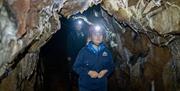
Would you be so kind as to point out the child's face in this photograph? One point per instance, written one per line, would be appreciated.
(97, 39)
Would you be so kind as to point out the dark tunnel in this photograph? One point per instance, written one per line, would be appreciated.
(54, 53)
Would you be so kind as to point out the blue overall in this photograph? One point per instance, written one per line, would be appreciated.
(88, 59)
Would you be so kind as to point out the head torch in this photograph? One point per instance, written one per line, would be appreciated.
(97, 30)
(79, 22)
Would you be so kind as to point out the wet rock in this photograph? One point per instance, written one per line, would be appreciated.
(24, 28)
(22, 77)
(20, 8)
(167, 21)
(72, 7)
(141, 61)
(9, 44)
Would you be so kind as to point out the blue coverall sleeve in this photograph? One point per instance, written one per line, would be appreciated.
(110, 65)
(79, 67)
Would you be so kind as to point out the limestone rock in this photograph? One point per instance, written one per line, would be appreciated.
(23, 24)
(167, 21)
(72, 7)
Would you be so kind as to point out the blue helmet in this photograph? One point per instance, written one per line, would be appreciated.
(96, 30)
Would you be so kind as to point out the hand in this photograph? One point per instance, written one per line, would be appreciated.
(93, 74)
(102, 73)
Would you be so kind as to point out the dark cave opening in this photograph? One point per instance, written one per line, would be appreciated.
(54, 54)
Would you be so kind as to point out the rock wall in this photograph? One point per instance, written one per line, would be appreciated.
(25, 26)
(143, 35)
(147, 53)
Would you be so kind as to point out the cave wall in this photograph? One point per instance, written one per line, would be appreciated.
(144, 38)
(147, 52)
(25, 26)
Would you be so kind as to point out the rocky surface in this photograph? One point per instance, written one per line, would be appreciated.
(25, 26)
(143, 35)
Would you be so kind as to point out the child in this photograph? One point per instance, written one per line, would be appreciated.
(94, 63)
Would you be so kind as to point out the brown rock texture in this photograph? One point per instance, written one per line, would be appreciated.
(21, 8)
(25, 26)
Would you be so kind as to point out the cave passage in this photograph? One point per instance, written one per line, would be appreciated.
(54, 54)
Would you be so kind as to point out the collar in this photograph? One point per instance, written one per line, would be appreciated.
(100, 47)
